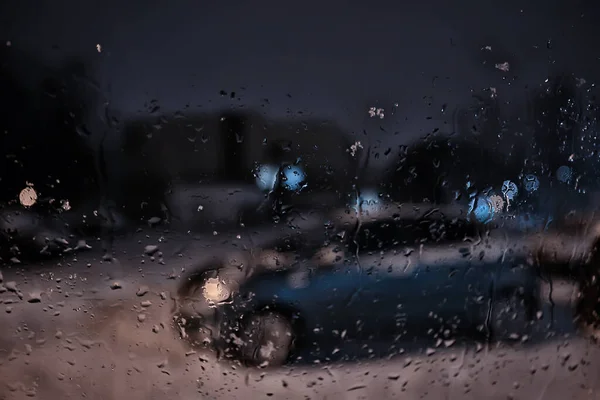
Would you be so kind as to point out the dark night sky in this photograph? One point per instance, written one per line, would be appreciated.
(334, 58)
(328, 59)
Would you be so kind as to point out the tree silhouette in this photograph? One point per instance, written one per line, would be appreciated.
(490, 146)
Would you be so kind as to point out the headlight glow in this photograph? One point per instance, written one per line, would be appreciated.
(215, 291)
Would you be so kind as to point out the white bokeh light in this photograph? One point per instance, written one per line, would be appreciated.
(266, 175)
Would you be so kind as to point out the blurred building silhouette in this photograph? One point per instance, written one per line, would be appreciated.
(42, 113)
(189, 156)
(555, 127)
(59, 133)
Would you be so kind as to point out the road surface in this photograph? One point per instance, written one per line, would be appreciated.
(88, 328)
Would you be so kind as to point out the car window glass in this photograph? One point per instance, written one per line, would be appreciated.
(233, 200)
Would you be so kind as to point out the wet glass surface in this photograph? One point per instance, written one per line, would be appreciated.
(326, 201)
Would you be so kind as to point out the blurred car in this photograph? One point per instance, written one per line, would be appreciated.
(27, 235)
(386, 281)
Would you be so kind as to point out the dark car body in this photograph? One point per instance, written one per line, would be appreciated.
(386, 284)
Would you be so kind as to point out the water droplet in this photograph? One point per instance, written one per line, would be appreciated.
(531, 183)
(369, 201)
(28, 197)
(34, 297)
(481, 209)
(266, 175)
(509, 190)
(497, 203)
(150, 249)
(564, 174)
(153, 221)
(142, 290)
(293, 177)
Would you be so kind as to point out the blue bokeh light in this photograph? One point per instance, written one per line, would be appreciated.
(369, 201)
(509, 190)
(481, 209)
(266, 175)
(531, 183)
(564, 174)
(293, 177)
